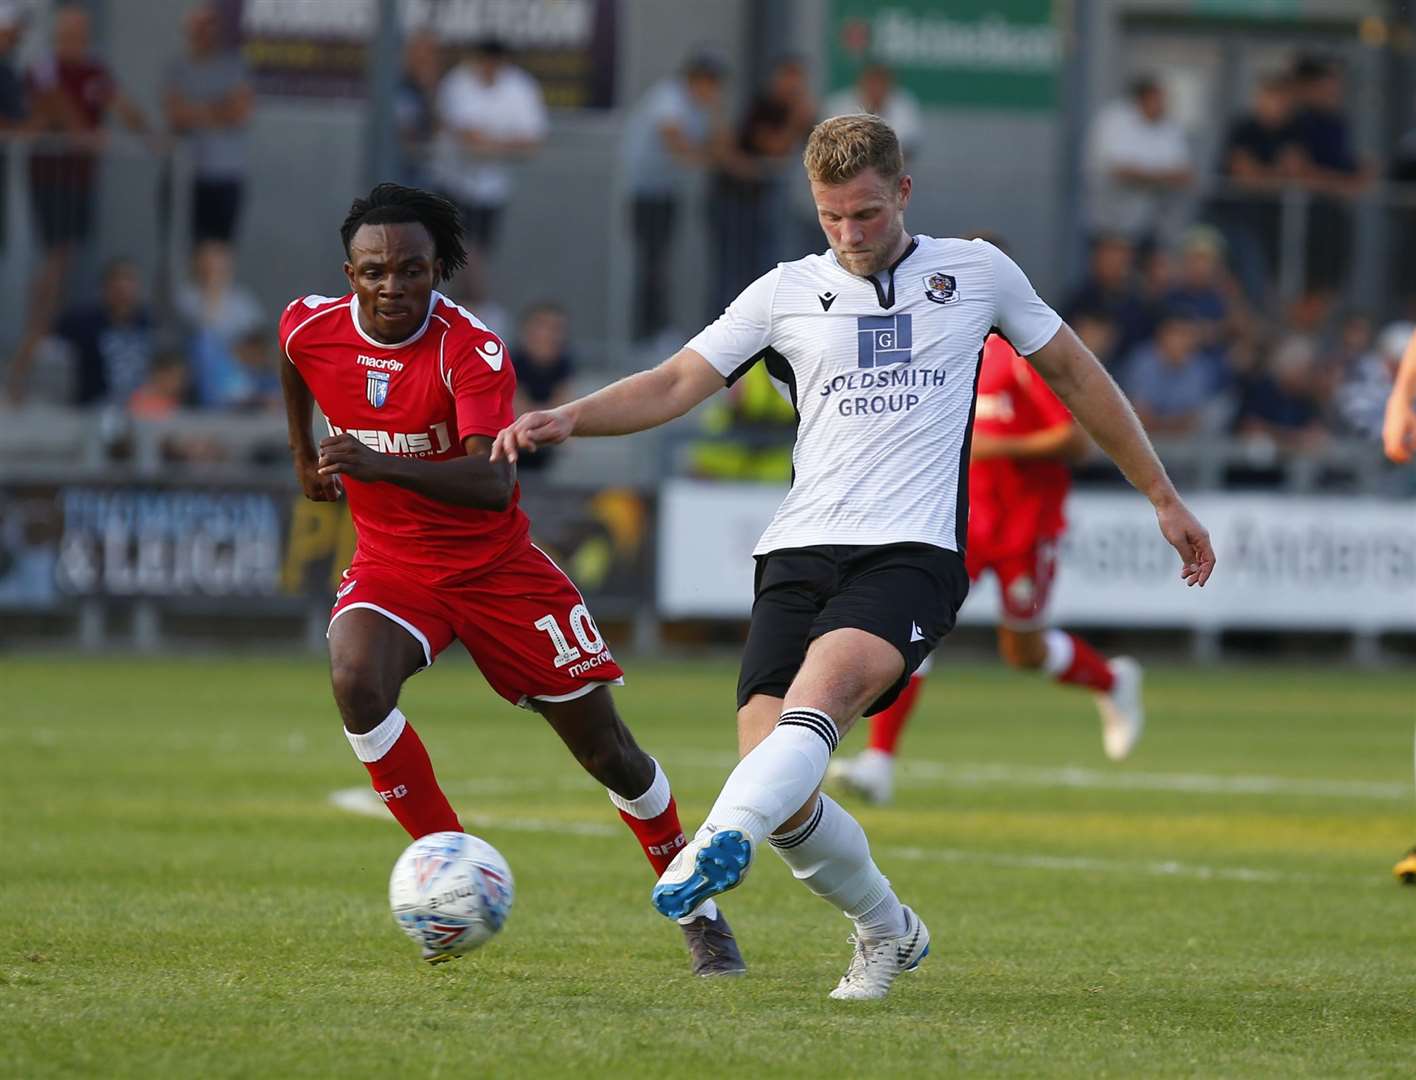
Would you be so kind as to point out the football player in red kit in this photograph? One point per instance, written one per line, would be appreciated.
(414, 388)
(1018, 478)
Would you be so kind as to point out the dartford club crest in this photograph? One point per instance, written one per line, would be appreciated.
(940, 287)
(378, 388)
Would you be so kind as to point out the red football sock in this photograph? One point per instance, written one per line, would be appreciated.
(660, 837)
(653, 818)
(887, 726)
(1088, 668)
(403, 777)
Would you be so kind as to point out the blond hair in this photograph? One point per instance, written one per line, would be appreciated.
(843, 147)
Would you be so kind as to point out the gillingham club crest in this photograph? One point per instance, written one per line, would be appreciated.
(378, 388)
(940, 287)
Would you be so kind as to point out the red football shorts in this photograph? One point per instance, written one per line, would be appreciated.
(1024, 581)
(523, 621)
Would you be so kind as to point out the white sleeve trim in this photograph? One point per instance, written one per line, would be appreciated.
(1026, 321)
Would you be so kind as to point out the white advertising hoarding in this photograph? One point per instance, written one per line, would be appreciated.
(1284, 561)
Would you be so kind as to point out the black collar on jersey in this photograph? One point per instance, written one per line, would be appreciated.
(886, 294)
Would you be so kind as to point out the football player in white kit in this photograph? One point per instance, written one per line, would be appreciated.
(877, 343)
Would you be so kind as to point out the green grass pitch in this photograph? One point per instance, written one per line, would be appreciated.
(180, 898)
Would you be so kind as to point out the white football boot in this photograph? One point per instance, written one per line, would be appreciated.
(870, 775)
(876, 966)
(1123, 714)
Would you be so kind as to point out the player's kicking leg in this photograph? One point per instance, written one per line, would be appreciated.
(772, 796)
(592, 730)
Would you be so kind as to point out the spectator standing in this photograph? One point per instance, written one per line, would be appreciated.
(746, 191)
(492, 113)
(415, 108)
(1262, 154)
(71, 93)
(14, 109)
(1174, 384)
(207, 97)
(1331, 170)
(1139, 166)
(875, 91)
(112, 340)
(544, 368)
(216, 313)
(671, 133)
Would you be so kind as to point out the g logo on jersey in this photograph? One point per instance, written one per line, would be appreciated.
(882, 340)
(941, 287)
(377, 388)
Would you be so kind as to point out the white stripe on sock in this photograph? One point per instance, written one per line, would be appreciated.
(1060, 652)
(373, 745)
(652, 803)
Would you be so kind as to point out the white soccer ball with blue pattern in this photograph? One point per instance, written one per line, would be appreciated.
(450, 892)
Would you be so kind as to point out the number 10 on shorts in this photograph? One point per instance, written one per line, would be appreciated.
(584, 629)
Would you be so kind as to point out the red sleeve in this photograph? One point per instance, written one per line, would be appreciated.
(297, 313)
(479, 374)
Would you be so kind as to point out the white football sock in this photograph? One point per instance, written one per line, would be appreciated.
(1060, 651)
(652, 803)
(706, 910)
(776, 778)
(831, 856)
(373, 745)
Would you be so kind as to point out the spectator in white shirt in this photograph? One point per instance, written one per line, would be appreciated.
(1138, 166)
(671, 133)
(491, 113)
(875, 92)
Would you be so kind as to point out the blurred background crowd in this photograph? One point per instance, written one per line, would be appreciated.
(1212, 255)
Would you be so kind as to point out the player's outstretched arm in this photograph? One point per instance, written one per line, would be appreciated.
(299, 415)
(1096, 401)
(637, 402)
(1399, 428)
(473, 480)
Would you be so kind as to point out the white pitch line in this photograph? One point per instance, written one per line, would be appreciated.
(986, 775)
(915, 773)
(1086, 864)
(364, 802)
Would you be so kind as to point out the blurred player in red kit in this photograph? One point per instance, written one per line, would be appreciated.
(414, 388)
(1023, 438)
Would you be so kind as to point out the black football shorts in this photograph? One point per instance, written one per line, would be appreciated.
(908, 594)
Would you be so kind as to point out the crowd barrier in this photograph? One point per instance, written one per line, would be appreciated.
(1285, 562)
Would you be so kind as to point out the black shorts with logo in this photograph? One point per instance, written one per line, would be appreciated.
(908, 594)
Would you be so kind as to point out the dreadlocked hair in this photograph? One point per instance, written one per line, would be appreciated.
(394, 204)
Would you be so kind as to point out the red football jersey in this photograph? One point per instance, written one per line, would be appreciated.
(420, 398)
(1014, 503)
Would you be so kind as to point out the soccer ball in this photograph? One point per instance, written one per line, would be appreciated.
(450, 893)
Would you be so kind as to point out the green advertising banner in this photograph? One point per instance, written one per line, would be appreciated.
(957, 53)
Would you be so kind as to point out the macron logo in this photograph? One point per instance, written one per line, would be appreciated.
(915, 633)
(492, 353)
(380, 363)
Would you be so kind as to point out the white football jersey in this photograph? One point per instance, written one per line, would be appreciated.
(883, 372)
